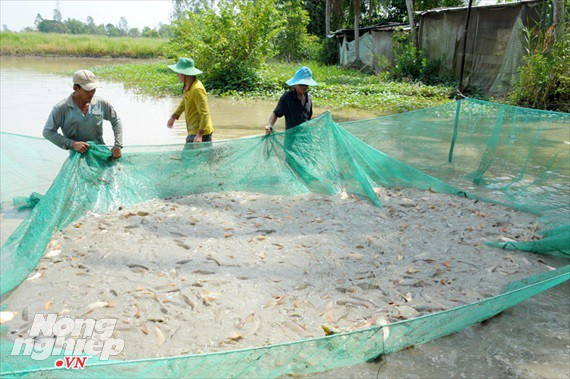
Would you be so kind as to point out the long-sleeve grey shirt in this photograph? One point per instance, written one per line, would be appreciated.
(76, 126)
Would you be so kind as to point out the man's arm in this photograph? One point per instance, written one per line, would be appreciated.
(110, 115)
(279, 111)
(53, 123)
(272, 120)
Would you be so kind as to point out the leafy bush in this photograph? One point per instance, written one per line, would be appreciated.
(312, 49)
(292, 42)
(229, 44)
(407, 62)
(434, 73)
(328, 52)
(545, 73)
(410, 64)
(339, 88)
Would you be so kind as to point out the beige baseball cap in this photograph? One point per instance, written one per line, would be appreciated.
(86, 80)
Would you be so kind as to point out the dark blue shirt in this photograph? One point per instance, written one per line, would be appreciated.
(295, 113)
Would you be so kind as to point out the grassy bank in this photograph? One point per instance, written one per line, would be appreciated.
(45, 44)
(339, 88)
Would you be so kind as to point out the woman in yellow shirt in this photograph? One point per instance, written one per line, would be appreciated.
(194, 103)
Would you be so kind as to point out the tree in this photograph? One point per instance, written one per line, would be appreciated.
(123, 26)
(5, 28)
(180, 7)
(134, 32)
(557, 17)
(39, 19)
(291, 41)
(357, 60)
(164, 30)
(57, 15)
(112, 30)
(231, 41)
(317, 14)
(328, 18)
(410, 7)
(52, 26)
(149, 33)
(75, 26)
(91, 27)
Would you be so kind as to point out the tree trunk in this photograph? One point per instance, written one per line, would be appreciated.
(327, 18)
(410, 7)
(557, 17)
(357, 61)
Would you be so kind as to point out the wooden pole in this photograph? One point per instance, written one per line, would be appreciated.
(461, 70)
(327, 18)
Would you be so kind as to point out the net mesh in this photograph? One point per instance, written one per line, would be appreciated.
(512, 156)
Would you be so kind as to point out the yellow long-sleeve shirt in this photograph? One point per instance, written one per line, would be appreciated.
(195, 105)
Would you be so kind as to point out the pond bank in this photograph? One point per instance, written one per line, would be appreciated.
(338, 88)
(62, 45)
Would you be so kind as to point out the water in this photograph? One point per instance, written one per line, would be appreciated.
(530, 340)
(30, 88)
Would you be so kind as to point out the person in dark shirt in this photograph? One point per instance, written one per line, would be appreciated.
(296, 104)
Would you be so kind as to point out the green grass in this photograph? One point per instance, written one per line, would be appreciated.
(47, 44)
(339, 88)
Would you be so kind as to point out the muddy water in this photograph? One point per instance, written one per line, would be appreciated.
(529, 340)
(30, 89)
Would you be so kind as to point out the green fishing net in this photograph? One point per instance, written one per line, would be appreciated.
(490, 152)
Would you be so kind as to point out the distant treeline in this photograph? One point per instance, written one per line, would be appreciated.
(73, 26)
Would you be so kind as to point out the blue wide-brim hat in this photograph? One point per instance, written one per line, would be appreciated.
(303, 75)
(185, 66)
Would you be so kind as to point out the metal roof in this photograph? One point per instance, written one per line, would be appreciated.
(387, 26)
(491, 6)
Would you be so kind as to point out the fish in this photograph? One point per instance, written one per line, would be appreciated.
(160, 338)
(25, 314)
(188, 301)
(329, 331)
(183, 245)
(52, 253)
(98, 304)
(208, 297)
(352, 303)
(35, 276)
(203, 272)
(236, 337)
(209, 258)
(6, 316)
(136, 265)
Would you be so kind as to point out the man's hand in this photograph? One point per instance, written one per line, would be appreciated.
(198, 138)
(80, 147)
(268, 129)
(116, 151)
(170, 122)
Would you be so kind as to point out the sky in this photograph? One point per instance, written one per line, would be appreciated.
(17, 14)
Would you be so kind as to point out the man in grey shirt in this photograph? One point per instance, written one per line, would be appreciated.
(81, 116)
